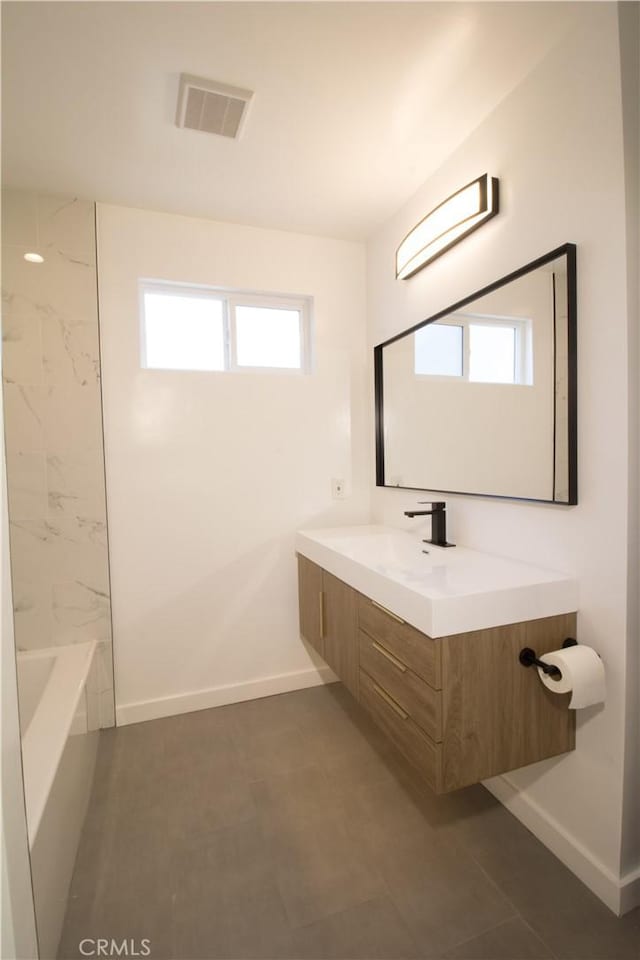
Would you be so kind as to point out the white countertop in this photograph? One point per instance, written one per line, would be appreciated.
(442, 592)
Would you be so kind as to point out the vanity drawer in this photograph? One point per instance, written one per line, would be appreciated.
(417, 698)
(418, 748)
(417, 651)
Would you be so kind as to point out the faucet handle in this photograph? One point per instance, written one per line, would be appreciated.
(435, 504)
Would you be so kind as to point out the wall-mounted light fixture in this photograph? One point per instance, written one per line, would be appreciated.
(448, 223)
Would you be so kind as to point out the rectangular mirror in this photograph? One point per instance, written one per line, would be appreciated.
(481, 398)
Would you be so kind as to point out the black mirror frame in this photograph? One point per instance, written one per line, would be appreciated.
(568, 250)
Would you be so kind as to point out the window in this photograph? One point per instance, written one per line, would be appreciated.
(193, 328)
(492, 353)
(183, 332)
(439, 350)
(268, 337)
(482, 350)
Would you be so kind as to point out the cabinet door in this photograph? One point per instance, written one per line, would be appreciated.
(310, 601)
(340, 634)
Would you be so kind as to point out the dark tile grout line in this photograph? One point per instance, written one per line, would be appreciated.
(517, 913)
(479, 933)
(502, 923)
(542, 940)
(422, 788)
(389, 894)
(387, 891)
(505, 894)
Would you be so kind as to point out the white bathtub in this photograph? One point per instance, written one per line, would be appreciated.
(59, 744)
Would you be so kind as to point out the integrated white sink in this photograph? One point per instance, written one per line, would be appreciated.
(442, 592)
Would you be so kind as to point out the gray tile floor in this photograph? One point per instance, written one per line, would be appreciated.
(287, 828)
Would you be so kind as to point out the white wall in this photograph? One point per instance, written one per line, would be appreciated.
(210, 474)
(556, 145)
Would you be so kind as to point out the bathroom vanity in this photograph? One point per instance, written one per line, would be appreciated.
(428, 640)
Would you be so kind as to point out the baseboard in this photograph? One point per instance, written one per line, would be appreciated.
(619, 894)
(218, 696)
(630, 891)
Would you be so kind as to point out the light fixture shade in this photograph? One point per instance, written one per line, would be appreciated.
(463, 212)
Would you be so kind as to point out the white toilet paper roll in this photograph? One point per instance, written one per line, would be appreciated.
(582, 675)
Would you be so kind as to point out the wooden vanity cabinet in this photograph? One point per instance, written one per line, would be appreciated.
(328, 615)
(340, 635)
(460, 708)
(310, 603)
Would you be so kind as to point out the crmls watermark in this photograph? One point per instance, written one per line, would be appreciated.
(114, 948)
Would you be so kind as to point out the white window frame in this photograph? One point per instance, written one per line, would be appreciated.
(272, 302)
(231, 299)
(523, 358)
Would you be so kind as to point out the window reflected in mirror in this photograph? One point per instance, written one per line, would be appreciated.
(480, 399)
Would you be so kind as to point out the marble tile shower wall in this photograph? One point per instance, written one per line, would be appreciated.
(53, 429)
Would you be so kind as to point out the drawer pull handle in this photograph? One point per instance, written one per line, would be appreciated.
(389, 613)
(321, 605)
(390, 657)
(390, 701)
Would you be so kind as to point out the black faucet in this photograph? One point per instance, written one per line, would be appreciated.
(438, 522)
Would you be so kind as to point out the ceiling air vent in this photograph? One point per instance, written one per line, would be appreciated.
(211, 106)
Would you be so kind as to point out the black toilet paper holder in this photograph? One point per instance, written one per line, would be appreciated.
(528, 658)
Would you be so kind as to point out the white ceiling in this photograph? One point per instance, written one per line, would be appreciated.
(355, 103)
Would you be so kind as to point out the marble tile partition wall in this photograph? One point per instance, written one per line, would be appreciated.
(53, 423)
